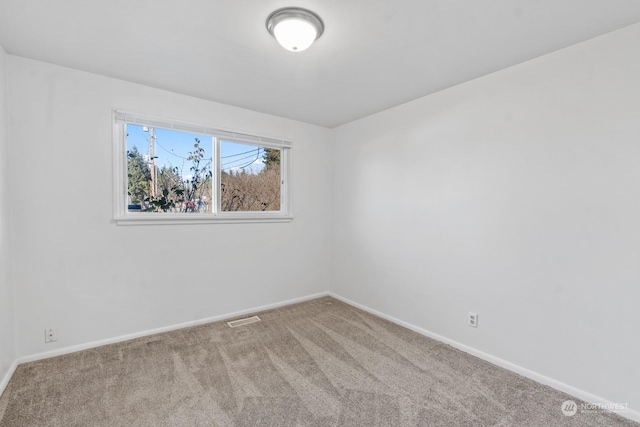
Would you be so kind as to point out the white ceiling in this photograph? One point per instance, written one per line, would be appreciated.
(373, 55)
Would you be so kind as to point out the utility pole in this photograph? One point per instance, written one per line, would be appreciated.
(152, 162)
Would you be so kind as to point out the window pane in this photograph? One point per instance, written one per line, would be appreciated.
(249, 177)
(168, 171)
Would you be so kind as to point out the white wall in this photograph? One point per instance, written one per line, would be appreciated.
(93, 280)
(516, 196)
(7, 335)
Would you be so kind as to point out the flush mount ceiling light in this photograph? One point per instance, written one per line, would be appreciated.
(295, 28)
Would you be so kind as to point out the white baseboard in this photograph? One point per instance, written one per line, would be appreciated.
(93, 344)
(558, 385)
(5, 380)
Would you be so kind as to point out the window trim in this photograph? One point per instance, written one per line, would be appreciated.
(121, 216)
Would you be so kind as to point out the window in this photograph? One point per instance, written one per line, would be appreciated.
(172, 172)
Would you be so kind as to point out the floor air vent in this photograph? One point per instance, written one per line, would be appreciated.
(242, 322)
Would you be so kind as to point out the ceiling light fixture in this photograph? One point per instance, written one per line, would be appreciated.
(295, 28)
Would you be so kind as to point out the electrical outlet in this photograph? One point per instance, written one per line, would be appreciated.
(50, 335)
(473, 320)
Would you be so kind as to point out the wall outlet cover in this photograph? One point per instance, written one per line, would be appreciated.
(473, 320)
(50, 335)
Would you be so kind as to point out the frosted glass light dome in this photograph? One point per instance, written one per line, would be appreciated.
(295, 28)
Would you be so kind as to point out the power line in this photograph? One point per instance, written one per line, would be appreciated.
(248, 164)
(241, 167)
(240, 154)
(174, 154)
(257, 151)
(243, 158)
(170, 152)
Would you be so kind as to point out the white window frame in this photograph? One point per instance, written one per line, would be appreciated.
(122, 216)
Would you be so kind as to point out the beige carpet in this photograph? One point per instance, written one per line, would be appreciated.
(318, 363)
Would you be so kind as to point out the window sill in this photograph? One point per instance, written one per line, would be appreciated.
(183, 219)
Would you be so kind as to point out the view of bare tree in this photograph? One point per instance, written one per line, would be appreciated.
(242, 191)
